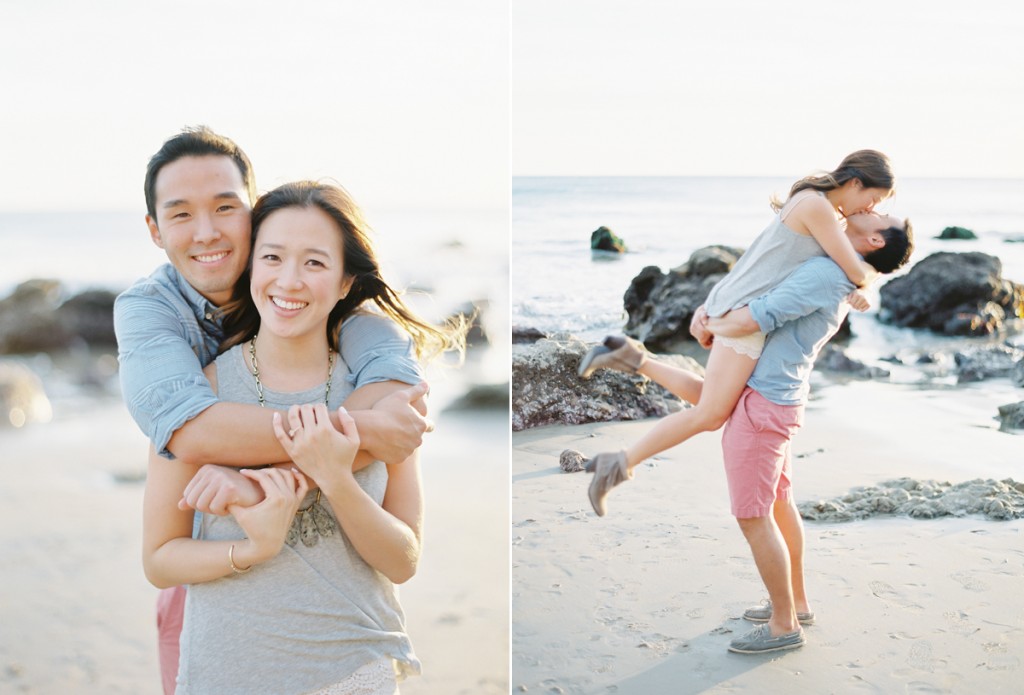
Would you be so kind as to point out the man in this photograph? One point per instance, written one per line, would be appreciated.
(799, 316)
(199, 191)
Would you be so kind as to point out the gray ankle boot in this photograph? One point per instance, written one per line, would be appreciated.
(609, 469)
(616, 352)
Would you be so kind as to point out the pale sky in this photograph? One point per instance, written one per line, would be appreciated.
(403, 102)
(779, 87)
(412, 104)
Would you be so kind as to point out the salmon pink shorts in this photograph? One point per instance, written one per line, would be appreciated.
(756, 450)
(170, 612)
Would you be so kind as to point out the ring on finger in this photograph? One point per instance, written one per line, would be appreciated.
(291, 432)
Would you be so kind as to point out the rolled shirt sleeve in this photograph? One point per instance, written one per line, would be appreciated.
(161, 352)
(376, 349)
(812, 286)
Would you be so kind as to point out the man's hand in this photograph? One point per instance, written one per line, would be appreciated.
(858, 300)
(699, 328)
(214, 488)
(404, 423)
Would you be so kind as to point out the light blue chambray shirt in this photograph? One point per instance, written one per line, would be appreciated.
(799, 316)
(167, 332)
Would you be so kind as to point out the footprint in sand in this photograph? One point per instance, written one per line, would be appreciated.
(969, 582)
(920, 657)
(888, 594)
(960, 623)
(998, 657)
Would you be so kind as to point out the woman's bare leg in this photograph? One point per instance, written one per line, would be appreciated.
(725, 377)
(678, 381)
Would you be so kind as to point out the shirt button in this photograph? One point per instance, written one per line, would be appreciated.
(209, 316)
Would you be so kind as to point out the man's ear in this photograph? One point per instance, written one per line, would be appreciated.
(154, 232)
(877, 241)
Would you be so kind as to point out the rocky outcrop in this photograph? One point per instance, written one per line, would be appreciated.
(661, 305)
(977, 364)
(604, 239)
(1011, 417)
(953, 294)
(547, 390)
(34, 319)
(957, 233)
(525, 334)
(834, 359)
(28, 319)
(922, 499)
(90, 316)
(482, 397)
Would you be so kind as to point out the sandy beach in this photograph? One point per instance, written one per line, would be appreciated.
(646, 599)
(77, 614)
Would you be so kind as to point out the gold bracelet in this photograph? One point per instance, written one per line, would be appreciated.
(231, 561)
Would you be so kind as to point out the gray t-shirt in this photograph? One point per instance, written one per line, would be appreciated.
(305, 619)
(773, 255)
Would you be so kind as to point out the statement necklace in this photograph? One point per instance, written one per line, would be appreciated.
(318, 522)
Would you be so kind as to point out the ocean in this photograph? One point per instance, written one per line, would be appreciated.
(445, 260)
(559, 285)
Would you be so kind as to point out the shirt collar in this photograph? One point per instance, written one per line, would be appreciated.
(203, 308)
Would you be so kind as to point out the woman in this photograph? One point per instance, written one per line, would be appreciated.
(295, 594)
(807, 224)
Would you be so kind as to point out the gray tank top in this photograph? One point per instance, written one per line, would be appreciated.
(773, 255)
(305, 619)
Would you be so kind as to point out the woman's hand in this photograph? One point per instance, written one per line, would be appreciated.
(317, 448)
(266, 524)
(858, 300)
(699, 328)
(214, 488)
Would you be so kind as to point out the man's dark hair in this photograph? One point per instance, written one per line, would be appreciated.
(197, 142)
(899, 244)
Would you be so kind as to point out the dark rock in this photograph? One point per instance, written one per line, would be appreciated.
(957, 233)
(834, 359)
(1011, 416)
(572, 461)
(28, 319)
(604, 239)
(547, 390)
(526, 334)
(1017, 374)
(90, 316)
(33, 319)
(22, 398)
(482, 397)
(977, 364)
(844, 333)
(661, 305)
(953, 294)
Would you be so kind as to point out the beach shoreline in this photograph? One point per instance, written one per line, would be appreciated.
(647, 598)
